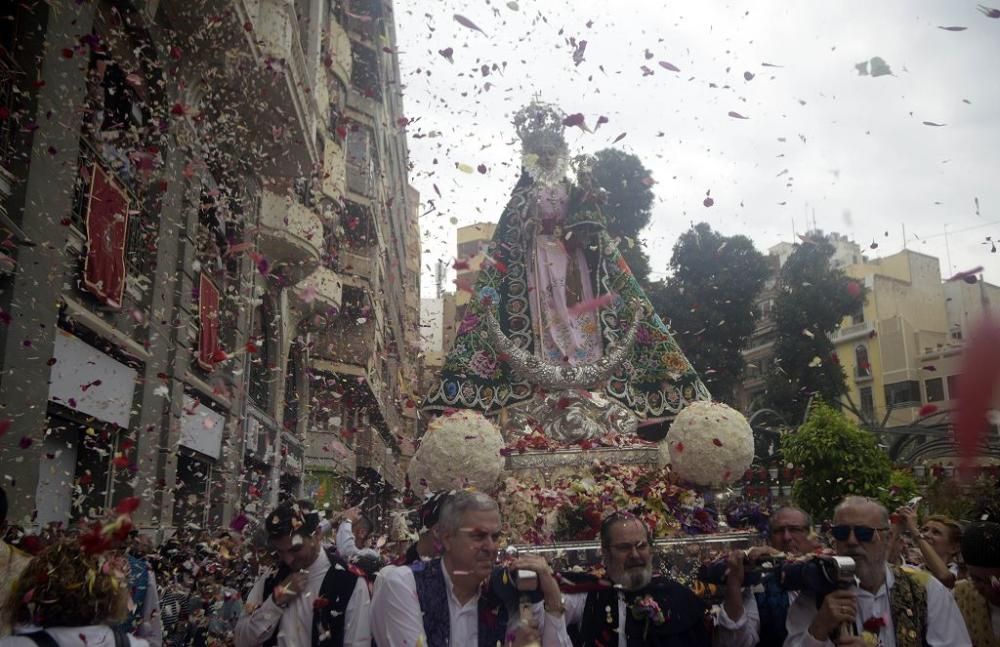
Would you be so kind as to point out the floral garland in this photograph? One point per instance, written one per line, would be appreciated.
(573, 508)
(538, 441)
(872, 628)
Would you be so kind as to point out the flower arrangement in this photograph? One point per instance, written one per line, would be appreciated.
(574, 506)
(710, 444)
(538, 441)
(872, 628)
(459, 450)
(646, 608)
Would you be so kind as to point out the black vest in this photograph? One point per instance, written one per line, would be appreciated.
(494, 605)
(329, 610)
(684, 615)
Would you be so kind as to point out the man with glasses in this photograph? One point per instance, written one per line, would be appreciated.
(889, 606)
(452, 600)
(634, 607)
(788, 532)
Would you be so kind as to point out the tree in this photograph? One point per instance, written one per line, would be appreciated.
(813, 299)
(710, 300)
(837, 459)
(628, 206)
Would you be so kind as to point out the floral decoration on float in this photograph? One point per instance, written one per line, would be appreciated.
(572, 508)
(459, 450)
(709, 444)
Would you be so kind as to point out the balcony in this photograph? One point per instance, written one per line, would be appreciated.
(261, 79)
(291, 235)
(319, 293)
(348, 342)
(356, 263)
(851, 333)
(339, 44)
(334, 181)
(325, 451)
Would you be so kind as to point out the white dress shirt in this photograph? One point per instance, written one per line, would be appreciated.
(945, 626)
(93, 636)
(295, 628)
(397, 620)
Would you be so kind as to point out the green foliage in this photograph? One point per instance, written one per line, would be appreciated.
(813, 299)
(628, 205)
(837, 458)
(709, 300)
(902, 489)
(948, 496)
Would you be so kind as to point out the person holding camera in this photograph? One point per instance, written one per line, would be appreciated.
(889, 605)
(459, 598)
(313, 598)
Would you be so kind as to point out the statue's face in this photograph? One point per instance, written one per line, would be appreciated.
(548, 159)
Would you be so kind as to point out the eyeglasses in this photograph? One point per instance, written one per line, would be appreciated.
(794, 530)
(864, 534)
(628, 547)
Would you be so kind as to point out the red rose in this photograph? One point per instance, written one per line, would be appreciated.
(874, 624)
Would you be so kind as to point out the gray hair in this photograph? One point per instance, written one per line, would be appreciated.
(850, 501)
(791, 508)
(460, 502)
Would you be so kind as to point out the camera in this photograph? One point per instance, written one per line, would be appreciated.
(816, 574)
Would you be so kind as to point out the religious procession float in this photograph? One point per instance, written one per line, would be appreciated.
(562, 381)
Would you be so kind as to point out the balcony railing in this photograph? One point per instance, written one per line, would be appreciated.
(849, 333)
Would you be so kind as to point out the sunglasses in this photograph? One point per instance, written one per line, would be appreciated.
(864, 534)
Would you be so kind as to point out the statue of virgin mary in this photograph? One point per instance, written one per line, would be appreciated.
(556, 315)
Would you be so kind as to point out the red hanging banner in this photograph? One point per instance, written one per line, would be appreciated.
(106, 222)
(208, 320)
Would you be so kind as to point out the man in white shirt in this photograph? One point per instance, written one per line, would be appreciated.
(452, 600)
(895, 607)
(312, 598)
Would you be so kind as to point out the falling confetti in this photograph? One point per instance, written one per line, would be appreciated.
(669, 66)
(465, 22)
(736, 115)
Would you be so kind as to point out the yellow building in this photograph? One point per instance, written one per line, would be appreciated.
(473, 240)
(888, 348)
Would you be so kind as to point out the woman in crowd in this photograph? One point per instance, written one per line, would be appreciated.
(69, 597)
(939, 540)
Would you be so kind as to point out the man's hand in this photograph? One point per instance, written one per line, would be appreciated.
(351, 514)
(734, 577)
(526, 636)
(757, 552)
(838, 607)
(850, 641)
(546, 580)
(291, 588)
(909, 516)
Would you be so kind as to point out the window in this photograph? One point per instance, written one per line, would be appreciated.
(858, 316)
(360, 161)
(952, 387)
(903, 394)
(862, 367)
(935, 389)
(260, 361)
(867, 402)
(292, 371)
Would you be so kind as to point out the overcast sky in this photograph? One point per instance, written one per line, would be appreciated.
(818, 137)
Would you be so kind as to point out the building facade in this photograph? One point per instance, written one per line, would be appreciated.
(200, 203)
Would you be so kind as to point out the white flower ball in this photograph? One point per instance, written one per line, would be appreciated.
(710, 444)
(458, 450)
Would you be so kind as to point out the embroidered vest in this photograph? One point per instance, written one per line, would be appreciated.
(432, 593)
(683, 615)
(908, 605)
(772, 604)
(329, 611)
(976, 612)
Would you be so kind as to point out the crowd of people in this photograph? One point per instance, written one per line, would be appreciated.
(307, 578)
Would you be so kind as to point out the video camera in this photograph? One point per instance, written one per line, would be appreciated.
(816, 574)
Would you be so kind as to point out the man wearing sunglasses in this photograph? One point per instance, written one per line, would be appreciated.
(894, 607)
